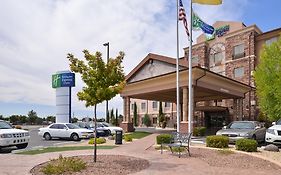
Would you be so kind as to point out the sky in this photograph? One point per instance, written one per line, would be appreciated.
(36, 35)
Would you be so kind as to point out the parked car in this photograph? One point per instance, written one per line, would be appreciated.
(273, 133)
(10, 136)
(101, 132)
(112, 128)
(65, 130)
(243, 129)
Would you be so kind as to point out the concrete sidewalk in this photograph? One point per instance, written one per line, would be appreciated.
(160, 164)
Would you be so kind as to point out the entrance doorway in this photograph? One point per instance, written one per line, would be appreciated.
(215, 120)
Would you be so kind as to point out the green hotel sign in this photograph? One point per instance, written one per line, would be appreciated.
(63, 80)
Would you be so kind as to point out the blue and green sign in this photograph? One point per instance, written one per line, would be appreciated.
(219, 32)
(63, 80)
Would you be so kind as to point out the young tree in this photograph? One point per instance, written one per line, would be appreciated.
(268, 81)
(32, 117)
(102, 81)
(161, 117)
(135, 114)
(112, 117)
(146, 120)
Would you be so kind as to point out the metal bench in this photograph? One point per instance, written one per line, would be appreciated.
(179, 140)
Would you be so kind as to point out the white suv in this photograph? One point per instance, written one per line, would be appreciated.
(12, 137)
(273, 134)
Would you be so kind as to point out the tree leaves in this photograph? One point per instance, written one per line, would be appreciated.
(102, 81)
(268, 80)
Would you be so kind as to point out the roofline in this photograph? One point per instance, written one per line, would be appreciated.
(206, 70)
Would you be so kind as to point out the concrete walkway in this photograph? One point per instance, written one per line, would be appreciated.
(160, 164)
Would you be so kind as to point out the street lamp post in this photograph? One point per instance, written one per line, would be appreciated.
(106, 108)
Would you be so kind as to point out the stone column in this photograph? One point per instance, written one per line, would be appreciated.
(184, 122)
(127, 125)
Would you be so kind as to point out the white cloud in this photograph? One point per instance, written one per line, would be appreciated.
(35, 37)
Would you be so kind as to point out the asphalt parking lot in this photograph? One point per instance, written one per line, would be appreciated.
(37, 142)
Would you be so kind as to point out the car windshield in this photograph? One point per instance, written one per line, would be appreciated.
(72, 126)
(241, 125)
(5, 125)
(106, 124)
(278, 122)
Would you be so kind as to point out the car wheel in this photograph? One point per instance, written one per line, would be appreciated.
(22, 146)
(47, 136)
(75, 137)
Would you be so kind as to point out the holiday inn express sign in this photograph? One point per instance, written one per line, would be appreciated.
(63, 80)
(219, 32)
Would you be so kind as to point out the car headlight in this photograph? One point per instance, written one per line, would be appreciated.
(26, 134)
(244, 134)
(6, 135)
(270, 131)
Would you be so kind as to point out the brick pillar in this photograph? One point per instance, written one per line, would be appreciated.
(127, 125)
(184, 122)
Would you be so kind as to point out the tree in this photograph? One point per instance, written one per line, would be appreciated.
(14, 119)
(112, 117)
(74, 120)
(102, 81)
(51, 119)
(146, 120)
(135, 114)
(161, 117)
(32, 116)
(268, 81)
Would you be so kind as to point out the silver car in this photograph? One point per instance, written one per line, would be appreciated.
(243, 129)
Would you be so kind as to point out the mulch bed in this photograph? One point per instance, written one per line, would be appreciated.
(105, 165)
(235, 160)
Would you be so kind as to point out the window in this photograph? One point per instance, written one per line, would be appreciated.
(61, 126)
(154, 105)
(239, 72)
(216, 59)
(55, 126)
(271, 40)
(238, 51)
(132, 106)
(195, 60)
(167, 104)
(143, 106)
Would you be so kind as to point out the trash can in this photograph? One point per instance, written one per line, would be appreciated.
(118, 137)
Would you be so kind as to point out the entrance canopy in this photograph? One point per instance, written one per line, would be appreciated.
(207, 86)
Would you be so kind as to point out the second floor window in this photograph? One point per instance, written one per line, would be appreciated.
(167, 104)
(238, 51)
(239, 72)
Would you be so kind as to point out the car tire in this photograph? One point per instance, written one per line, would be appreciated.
(47, 136)
(75, 137)
(22, 146)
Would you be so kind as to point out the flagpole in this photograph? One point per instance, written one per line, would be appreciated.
(190, 88)
(177, 67)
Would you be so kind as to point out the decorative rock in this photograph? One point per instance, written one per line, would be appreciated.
(271, 147)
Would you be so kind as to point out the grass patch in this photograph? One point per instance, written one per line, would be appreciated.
(64, 165)
(225, 151)
(139, 134)
(59, 149)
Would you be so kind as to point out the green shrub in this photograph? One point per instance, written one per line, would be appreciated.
(100, 140)
(247, 145)
(217, 141)
(199, 131)
(128, 137)
(146, 120)
(163, 138)
(64, 165)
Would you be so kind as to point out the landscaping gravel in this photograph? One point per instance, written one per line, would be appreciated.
(232, 160)
(105, 165)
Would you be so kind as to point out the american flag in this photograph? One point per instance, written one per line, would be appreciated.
(182, 17)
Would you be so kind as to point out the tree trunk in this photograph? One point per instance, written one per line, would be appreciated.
(95, 144)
